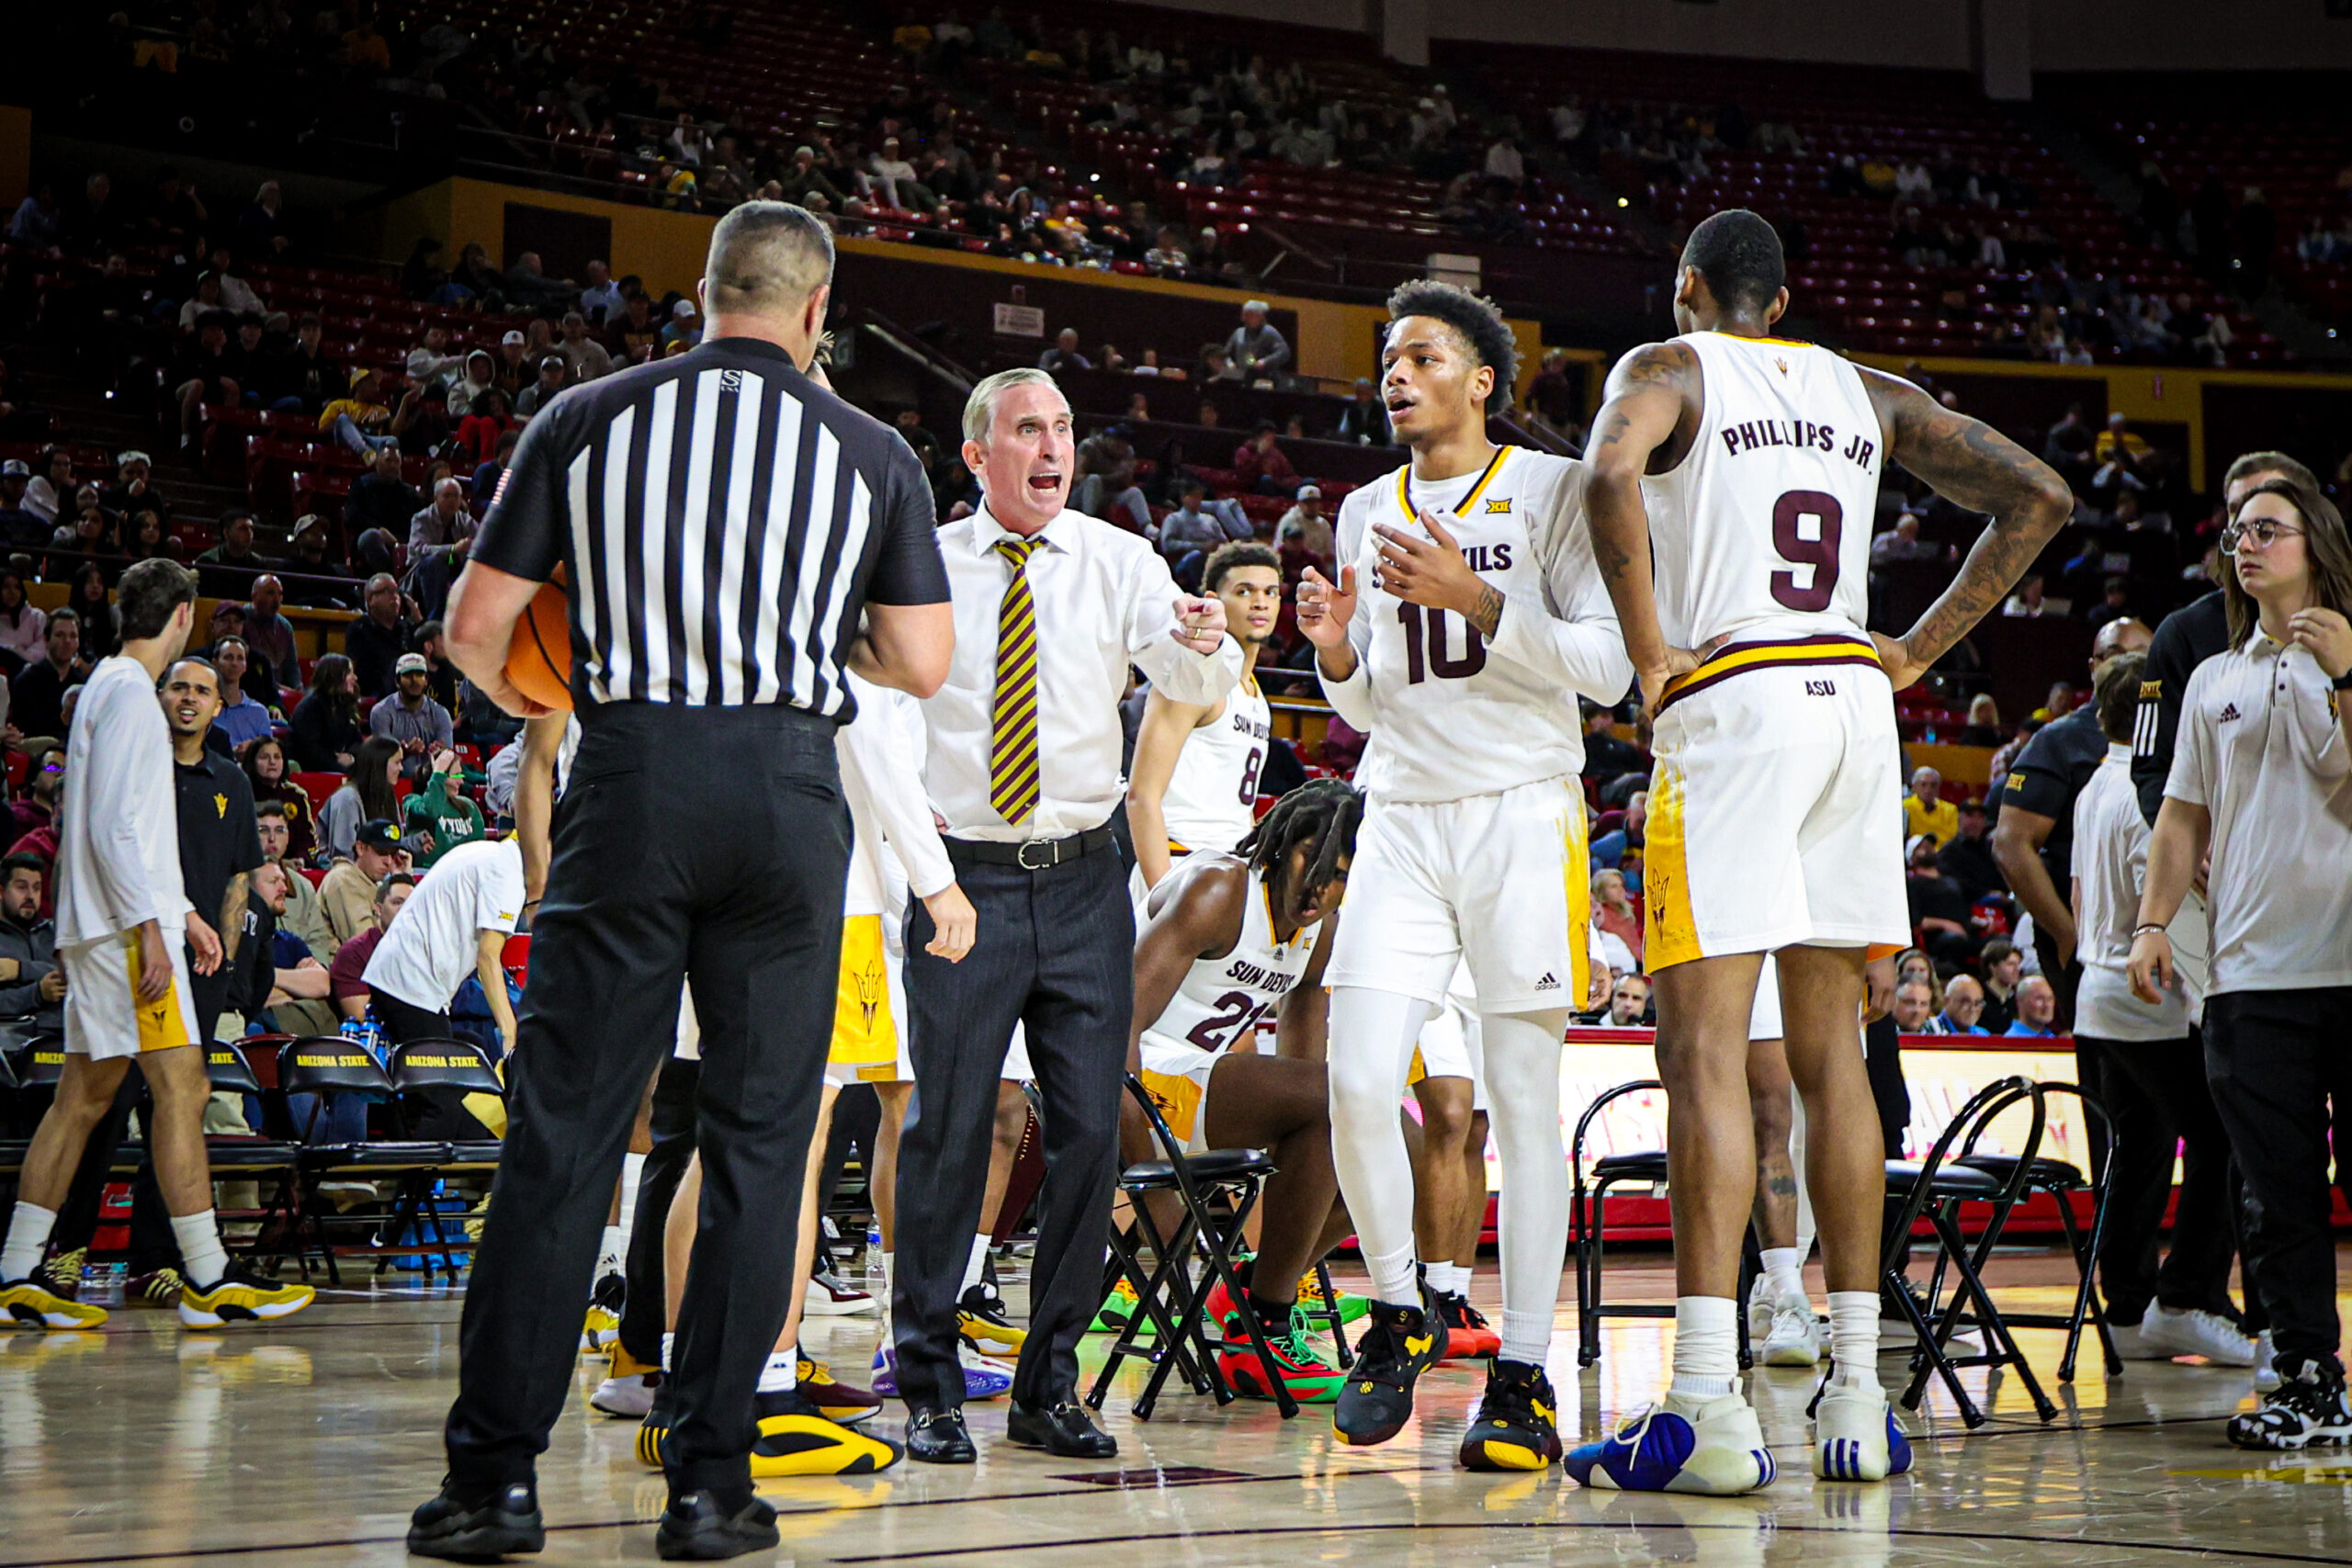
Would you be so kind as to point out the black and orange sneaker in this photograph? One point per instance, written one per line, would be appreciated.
(1467, 1336)
(1401, 1343)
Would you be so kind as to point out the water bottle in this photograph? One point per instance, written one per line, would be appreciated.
(874, 1248)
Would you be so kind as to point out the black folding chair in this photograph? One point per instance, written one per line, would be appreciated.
(1588, 1220)
(2061, 1181)
(1935, 1189)
(450, 1067)
(256, 1156)
(1171, 1293)
(328, 1066)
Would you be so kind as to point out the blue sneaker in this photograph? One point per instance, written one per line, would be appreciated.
(1715, 1450)
(983, 1378)
(1855, 1437)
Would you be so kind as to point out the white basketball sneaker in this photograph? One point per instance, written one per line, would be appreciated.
(1855, 1437)
(1793, 1338)
(1714, 1448)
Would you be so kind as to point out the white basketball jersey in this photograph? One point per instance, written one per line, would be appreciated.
(1763, 530)
(1212, 798)
(1223, 999)
(1448, 721)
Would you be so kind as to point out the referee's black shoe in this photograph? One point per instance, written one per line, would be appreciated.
(1400, 1344)
(704, 1525)
(468, 1524)
(1062, 1429)
(938, 1437)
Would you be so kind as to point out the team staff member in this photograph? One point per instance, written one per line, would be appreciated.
(2263, 781)
(126, 977)
(733, 537)
(1022, 766)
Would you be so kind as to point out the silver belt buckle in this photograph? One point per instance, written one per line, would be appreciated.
(1051, 847)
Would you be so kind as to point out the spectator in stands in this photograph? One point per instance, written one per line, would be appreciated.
(271, 635)
(1937, 911)
(1901, 542)
(1363, 419)
(1168, 257)
(242, 720)
(368, 794)
(554, 374)
(1064, 355)
(1983, 721)
(430, 359)
(1613, 912)
(489, 417)
(1256, 348)
(1914, 1006)
(1964, 1004)
(203, 373)
(1629, 1002)
(228, 624)
(359, 420)
(381, 498)
(1621, 848)
(2037, 1010)
(2114, 602)
(1261, 464)
(24, 627)
(346, 988)
(2032, 599)
(634, 336)
(228, 568)
(510, 368)
(2067, 447)
(600, 297)
(685, 327)
(584, 356)
(325, 730)
(274, 788)
(1968, 858)
(1925, 810)
(38, 222)
(20, 526)
(101, 625)
(261, 227)
(36, 987)
(421, 424)
(439, 817)
(409, 716)
(349, 893)
(1305, 523)
(1191, 530)
(133, 483)
(1606, 757)
(314, 566)
(375, 640)
(37, 696)
(51, 485)
(480, 376)
(37, 809)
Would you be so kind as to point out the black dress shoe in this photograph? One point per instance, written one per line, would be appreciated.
(938, 1436)
(471, 1525)
(1063, 1429)
(704, 1526)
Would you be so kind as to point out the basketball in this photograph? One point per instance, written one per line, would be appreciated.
(538, 660)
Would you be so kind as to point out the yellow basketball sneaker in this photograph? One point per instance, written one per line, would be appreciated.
(27, 1303)
(241, 1296)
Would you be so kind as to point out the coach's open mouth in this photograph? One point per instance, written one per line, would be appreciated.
(1045, 484)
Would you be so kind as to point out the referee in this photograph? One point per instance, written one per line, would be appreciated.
(734, 536)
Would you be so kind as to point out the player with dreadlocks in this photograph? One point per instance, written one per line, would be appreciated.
(1227, 940)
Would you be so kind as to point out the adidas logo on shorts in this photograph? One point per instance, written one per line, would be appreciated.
(1549, 983)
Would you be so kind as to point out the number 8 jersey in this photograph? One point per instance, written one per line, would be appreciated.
(1450, 715)
(1774, 502)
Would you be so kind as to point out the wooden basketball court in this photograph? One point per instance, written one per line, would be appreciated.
(309, 1442)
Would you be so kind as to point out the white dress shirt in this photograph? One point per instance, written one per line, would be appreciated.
(1103, 601)
(2261, 748)
(118, 835)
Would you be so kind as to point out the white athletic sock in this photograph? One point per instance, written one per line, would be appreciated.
(1520, 1055)
(1373, 1035)
(1448, 1278)
(782, 1374)
(1783, 1273)
(632, 1172)
(610, 1254)
(1707, 1347)
(975, 1262)
(29, 1231)
(201, 1257)
(1853, 1336)
(670, 1352)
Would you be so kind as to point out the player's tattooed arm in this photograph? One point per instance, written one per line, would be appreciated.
(1650, 394)
(1970, 463)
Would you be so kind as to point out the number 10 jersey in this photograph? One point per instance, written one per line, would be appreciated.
(1452, 714)
(1762, 532)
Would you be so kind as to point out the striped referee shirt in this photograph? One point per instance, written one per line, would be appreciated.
(723, 521)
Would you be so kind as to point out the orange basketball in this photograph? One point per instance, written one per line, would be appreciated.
(538, 660)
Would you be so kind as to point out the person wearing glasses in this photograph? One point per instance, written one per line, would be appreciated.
(2262, 783)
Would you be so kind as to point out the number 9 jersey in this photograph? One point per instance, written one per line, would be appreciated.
(1449, 714)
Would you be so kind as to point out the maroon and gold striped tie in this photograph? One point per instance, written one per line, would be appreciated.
(1012, 739)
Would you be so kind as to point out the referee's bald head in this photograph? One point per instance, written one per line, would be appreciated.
(767, 259)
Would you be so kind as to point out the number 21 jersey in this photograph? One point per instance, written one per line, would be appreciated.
(1762, 532)
(1449, 715)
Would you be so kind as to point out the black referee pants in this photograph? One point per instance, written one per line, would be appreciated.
(2275, 1059)
(707, 846)
(1055, 952)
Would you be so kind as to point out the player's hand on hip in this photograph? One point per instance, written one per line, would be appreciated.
(1325, 608)
(2328, 636)
(2151, 967)
(1678, 661)
(1431, 571)
(206, 941)
(1200, 622)
(955, 924)
(1903, 672)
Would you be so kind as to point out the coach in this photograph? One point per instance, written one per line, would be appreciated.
(1022, 766)
(734, 536)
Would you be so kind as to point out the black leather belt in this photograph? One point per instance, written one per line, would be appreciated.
(1030, 854)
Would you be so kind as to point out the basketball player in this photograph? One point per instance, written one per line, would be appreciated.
(1754, 463)
(1466, 612)
(1194, 783)
(1229, 938)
